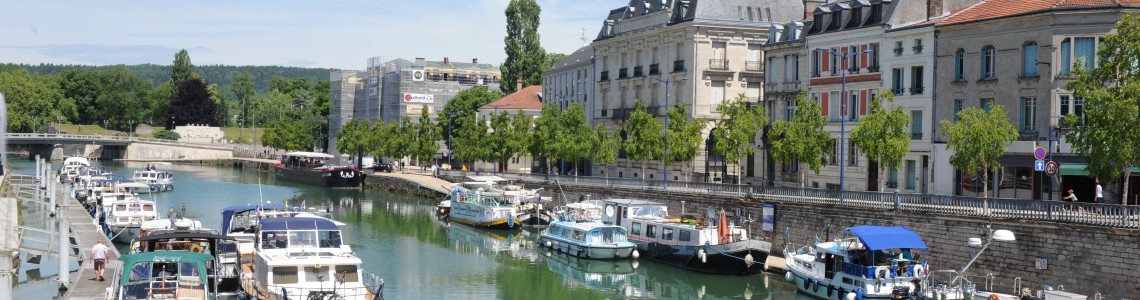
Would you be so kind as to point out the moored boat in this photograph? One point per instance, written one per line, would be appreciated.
(303, 258)
(481, 208)
(71, 168)
(579, 231)
(708, 247)
(125, 217)
(226, 283)
(156, 181)
(164, 275)
(873, 262)
(313, 168)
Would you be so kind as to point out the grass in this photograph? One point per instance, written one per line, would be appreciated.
(229, 133)
(242, 135)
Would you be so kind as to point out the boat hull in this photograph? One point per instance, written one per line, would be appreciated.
(343, 177)
(125, 233)
(534, 218)
(727, 259)
(491, 224)
(591, 251)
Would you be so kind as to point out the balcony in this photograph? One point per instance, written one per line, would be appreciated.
(653, 69)
(623, 73)
(679, 65)
(898, 91)
(752, 99)
(916, 90)
(898, 51)
(873, 68)
(917, 49)
(791, 87)
(604, 76)
(753, 66)
(637, 71)
(718, 64)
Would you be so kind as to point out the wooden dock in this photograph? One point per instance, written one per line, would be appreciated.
(86, 233)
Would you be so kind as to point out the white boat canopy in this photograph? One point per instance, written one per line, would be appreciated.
(309, 154)
(132, 185)
(486, 178)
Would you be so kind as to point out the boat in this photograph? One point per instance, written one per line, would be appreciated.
(303, 258)
(124, 218)
(240, 222)
(81, 188)
(164, 275)
(313, 168)
(709, 247)
(226, 281)
(70, 168)
(579, 232)
(156, 181)
(528, 203)
(873, 262)
(482, 208)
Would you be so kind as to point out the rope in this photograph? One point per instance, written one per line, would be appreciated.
(117, 234)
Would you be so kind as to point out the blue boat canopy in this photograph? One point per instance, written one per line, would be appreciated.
(882, 237)
(301, 223)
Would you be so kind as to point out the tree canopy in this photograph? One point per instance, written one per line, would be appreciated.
(802, 138)
(979, 138)
(192, 104)
(738, 126)
(525, 56)
(644, 140)
(883, 134)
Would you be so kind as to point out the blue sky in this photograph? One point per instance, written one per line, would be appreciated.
(326, 34)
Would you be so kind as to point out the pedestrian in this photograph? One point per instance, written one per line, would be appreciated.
(1071, 198)
(1099, 192)
(99, 255)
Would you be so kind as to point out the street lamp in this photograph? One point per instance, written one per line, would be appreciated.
(842, 111)
(665, 158)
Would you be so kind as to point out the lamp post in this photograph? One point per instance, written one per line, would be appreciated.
(450, 152)
(665, 158)
(842, 111)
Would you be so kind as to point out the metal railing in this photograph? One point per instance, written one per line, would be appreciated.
(95, 138)
(1109, 215)
(718, 64)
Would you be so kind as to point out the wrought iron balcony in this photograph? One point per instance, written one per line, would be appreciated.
(916, 90)
(718, 64)
(916, 135)
(604, 76)
(753, 66)
(637, 71)
(653, 69)
(623, 73)
(679, 65)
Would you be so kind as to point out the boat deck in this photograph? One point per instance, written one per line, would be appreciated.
(86, 234)
(249, 285)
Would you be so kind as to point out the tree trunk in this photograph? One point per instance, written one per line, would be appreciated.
(1127, 173)
(986, 190)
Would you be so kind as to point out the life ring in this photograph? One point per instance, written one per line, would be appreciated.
(918, 271)
(196, 248)
(993, 297)
(882, 273)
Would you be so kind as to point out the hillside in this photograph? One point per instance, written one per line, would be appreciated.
(221, 75)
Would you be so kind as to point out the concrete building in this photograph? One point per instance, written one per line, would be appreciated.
(571, 80)
(1020, 55)
(407, 86)
(698, 53)
(529, 102)
(345, 86)
(785, 55)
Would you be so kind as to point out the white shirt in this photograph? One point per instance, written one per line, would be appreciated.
(99, 252)
(1099, 191)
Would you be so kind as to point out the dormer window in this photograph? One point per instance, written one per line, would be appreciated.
(836, 18)
(856, 17)
(876, 14)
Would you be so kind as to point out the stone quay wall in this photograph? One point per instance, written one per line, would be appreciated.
(1081, 259)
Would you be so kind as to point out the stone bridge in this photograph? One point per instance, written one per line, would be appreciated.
(116, 147)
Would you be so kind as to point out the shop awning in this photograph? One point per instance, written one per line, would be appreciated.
(1074, 169)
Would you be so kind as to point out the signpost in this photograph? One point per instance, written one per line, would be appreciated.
(1039, 165)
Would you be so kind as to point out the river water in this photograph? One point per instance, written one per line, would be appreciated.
(421, 257)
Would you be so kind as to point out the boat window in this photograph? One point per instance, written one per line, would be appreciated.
(283, 275)
(651, 231)
(272, 239)
(685, 236)
(313, 274)
(636, 228)
(302, 238)
(165, 270)
(148, 207)
(347, 274)
(666, 233)
(330, 239)
(594, 236)
(188, 270)
(651, 211)
(120, 207)
(578, 234)
(140, 272)
(619, 235)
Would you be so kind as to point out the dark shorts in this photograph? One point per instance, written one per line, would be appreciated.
(100, 264)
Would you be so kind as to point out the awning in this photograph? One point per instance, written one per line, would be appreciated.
(881, 237)
(1073, 170)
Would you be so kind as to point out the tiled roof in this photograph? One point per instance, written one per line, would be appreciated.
(527, 98)
(994, 9)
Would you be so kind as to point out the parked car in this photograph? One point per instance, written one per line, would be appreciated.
(382, 167)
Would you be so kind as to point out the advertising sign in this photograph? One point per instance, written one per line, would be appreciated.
(417, 75)
(769, 217)
(418, 98)
(415, 109)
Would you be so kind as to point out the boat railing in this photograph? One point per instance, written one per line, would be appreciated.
(334, 288)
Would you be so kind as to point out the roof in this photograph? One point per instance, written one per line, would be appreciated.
(579, 57)
(184, 235)
(309, 154)
(297, 224)
(882, 237)
(527, 98)
(130, 260)
(996, 9)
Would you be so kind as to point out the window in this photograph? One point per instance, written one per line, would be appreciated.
(635, 229)
(893, 177)
(314, 274)
(916, 80)
(771, 74)
(853, 106)
(815, 65)
(685, 236)
(791, 167)
(1084, 52)
(916, 124)
(666, 233)
(1028, 114)
(284, 275)
(651, 231)
(789, 109)
(897, 81)
(957, 108)
(853, 61)
(1076, 106)
(987, 104)
(988, 63)
(834, 64)
(898, 48)
(852, 154)
(874, 56)
(347, 273)
(1066, 59)
(834, 154)
(917, 46)
(960, 65)
(794, 68)
(911, 177)
(1029, 60)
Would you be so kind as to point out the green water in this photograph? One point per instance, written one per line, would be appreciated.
(421, 257)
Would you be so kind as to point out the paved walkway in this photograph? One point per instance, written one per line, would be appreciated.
(423, 178)
(86, 233)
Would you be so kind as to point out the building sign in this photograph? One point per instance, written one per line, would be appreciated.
(417, 75)
(418, 98)
(415, 109)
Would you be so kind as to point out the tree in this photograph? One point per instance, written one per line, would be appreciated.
(735, 132)
(459, 118)
(1106, 136)
(499, 140)
(271, 108)
(644, 140)
(606, 145)
(525, 56)
(426, 137)
(883, 135)
(470, 142)
(82, 87)
(182, 69)
(802, 138)
(521, 128)
(573, 135)
(544, 136)
(122, 98)
(192, 104)
(32, 101)
(243, 90)
(376, 139)
(289, 135)
(978, 139)
(684, 135)
(552, 59)
(354, 136)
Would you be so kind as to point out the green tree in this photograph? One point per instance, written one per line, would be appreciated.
(353, 136)
(551, 60)
(122, 99)
(522, 126)
(182, 68)
(978, 139)
(574, 135)
(498, 142)
(271, 108)
(1106, 136)
(525, 56)
(460, 114)
(544, 136)
(426, 139)
(802, 138)
(243, 90)
(290, 135)
(192, 104)
(376, 139)
(737, 128)
(32, 101)
(83, 88)
(606, 144)
(883, 135)
(402, 139)
(159, 98)
(643, 136)
(470, 142)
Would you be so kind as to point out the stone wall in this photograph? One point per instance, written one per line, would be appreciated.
(199, 134)
(1082, 259)
(145, 151)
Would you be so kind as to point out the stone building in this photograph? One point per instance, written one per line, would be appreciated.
(784, 52)
(529, 102)
(571, 80)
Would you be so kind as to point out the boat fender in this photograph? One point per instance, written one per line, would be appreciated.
(917, 271)
(808, 283)
(788, 276)
(748, 260)
(548, 244)
(841, 294)
(701, 254)
(196, 248)
(635, 254)
(816, 288)
(830, 290)
(850, 296)
(859, 294)
(993, 297)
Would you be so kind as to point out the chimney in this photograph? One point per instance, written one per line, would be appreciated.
(933, 9)
(518, 84)
(475, 61)
(420, 61)
(446, 61)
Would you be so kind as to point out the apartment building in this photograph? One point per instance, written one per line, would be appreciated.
(571, 80)
(346, 86)
(785, 53)
(408, 85)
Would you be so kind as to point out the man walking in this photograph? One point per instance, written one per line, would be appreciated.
(1099, 192)
(99, 255)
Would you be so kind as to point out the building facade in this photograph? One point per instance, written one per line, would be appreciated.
(345, 86)
(571, 80)
(409, 86)
(784, 68)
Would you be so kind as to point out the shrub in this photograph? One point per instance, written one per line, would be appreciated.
(167, 135)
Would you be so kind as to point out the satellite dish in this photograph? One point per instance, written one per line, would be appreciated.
(712, 213)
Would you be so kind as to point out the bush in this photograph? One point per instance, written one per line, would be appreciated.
(167, 135)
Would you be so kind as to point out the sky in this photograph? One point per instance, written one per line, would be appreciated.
(322, 34)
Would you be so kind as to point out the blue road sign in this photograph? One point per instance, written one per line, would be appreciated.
(1039, 153)
(1039, 165)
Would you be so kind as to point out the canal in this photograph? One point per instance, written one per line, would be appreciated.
(421, 257)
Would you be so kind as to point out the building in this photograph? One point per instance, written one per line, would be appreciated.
(529, 102)
(784, 53)
(571, 80)
(346, 86)
(1020, 55)
(692, 52)
(408, 86)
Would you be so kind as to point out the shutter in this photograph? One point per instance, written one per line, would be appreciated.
(825, 62)
(862, 56)
(863, 103)
(823, 105)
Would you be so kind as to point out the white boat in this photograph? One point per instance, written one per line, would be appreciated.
(125, 217)
(70, 168)
(156, 181)
(579, 231)
(873, 262)
(482, 208)
(303, 258)
(240, 222)
(705, 246)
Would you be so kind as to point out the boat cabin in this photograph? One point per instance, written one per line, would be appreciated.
(302, 233)
(650, 222)
(165, 275)
(873, 252)
(304, 160)
(243, 219)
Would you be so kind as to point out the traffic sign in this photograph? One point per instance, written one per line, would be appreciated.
(1039, 153)
(1051, 168)
(1039, 165)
